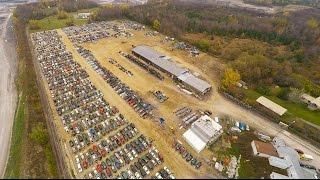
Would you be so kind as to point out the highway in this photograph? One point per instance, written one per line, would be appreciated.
(8, 94)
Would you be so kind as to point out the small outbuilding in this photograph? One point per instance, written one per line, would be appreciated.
(313, 103)
(271, 106)
(263, 149)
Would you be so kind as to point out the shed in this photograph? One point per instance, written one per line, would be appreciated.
(263, 149)
(279, 110)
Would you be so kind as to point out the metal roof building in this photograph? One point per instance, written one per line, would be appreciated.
(194, 82)
(158, 59)
(271, 105)
(163, 63)
(289, 160)
(203, 131)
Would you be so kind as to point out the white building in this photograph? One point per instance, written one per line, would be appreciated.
(284, 157)
(202, 132)
(271, 106)
(313, 103)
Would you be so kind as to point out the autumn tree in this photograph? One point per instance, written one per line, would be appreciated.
(312, 23)
(230, 78)
(156, 24)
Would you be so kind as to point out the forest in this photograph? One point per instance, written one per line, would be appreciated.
(311, 3)
(290, 57)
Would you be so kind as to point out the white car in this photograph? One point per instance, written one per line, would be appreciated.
(154, 162)
(158, 160)
(77, 159)
(155, 149)
(130, 156)
(146, 170)
(137, 175)
(158, 176)
(134, 153)
(172, 176)
(79, 168)
(167, 169)
(81, 155)
(90, 175)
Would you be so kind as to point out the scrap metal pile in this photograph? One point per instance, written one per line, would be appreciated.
(160, 96)
(187, 116)
(99, 136)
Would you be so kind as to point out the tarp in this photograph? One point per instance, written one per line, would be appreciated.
(194, 141)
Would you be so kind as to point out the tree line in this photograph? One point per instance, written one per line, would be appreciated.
(298, 32)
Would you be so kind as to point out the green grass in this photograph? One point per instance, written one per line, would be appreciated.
(251, 94)
(52, 165)
(299, 110)
(53, 22)
(295, 109)
(13, 168)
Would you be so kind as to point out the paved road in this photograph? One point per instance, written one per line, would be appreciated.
(8, 94)
(225, 106)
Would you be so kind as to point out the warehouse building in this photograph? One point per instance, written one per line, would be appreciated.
(158, 60)
(202, 132)
(164, 64)
(194, 83)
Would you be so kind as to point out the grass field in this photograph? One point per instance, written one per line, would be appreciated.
(53, 22)
(13, 169)
(296, 109)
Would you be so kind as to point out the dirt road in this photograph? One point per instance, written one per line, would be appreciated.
(224, 106)
(8, 94)
(216, 103)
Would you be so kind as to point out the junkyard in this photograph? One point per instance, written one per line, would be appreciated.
(128, 102)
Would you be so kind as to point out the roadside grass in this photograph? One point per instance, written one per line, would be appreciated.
(13, 167)
(52, 164)
(295, 109)
(53, 22)
(23, 157)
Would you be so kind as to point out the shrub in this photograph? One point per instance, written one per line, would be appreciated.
(39, 134)
(264, 90)
(62, 15)
(203, 45)
(284, 93)
(70, 22)
(33, 25)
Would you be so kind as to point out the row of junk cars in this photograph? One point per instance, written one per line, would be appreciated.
(104, 143)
